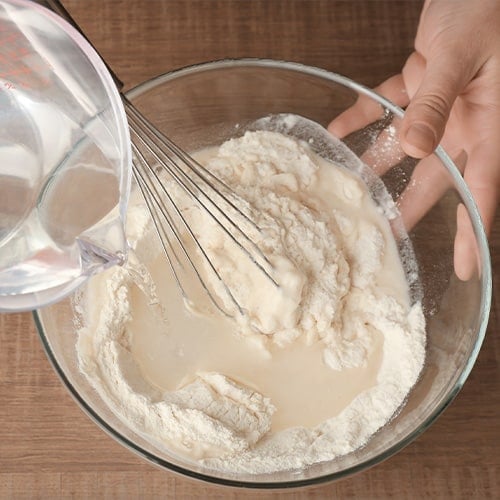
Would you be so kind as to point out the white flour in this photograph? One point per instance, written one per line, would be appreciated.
(342, 288)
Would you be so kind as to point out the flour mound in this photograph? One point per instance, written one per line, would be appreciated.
(330, 260)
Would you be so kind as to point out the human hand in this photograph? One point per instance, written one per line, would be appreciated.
(451, 85)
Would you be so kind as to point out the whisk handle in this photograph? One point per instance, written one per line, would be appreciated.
(57, 7)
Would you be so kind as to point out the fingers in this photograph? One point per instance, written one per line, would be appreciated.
(429, 182)
(426, 116)
(385, 151)
(466, 255)
(366, 110)
(483, 178)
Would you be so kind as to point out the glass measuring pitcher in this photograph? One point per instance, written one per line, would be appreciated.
(65, 159)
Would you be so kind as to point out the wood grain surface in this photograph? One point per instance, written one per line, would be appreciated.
(48, 446)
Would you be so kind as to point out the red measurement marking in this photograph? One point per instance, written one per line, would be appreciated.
(13, 52)
(10, 38)
(20, 70)
(20, 65)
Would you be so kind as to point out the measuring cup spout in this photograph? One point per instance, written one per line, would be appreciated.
(102, 248)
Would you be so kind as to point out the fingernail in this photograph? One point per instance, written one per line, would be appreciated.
(421, 138)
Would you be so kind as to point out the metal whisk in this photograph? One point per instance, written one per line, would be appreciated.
(158, 161)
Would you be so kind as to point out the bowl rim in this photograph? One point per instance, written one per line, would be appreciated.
(486, 289)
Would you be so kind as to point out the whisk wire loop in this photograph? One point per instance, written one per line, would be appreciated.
(148, 182)
(155, 155)
(173, 160)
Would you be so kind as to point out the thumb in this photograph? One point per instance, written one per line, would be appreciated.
(429, 109)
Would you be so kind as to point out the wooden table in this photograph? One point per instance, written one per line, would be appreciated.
(50, 449)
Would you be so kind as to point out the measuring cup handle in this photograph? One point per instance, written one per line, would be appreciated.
(57, 7)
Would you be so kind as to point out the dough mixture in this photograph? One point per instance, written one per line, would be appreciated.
(311, 370)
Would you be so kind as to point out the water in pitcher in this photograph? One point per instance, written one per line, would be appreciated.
(64, 159)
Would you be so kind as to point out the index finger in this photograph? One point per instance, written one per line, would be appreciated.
(365, 110)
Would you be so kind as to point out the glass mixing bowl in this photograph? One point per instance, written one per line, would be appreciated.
(204, 105)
